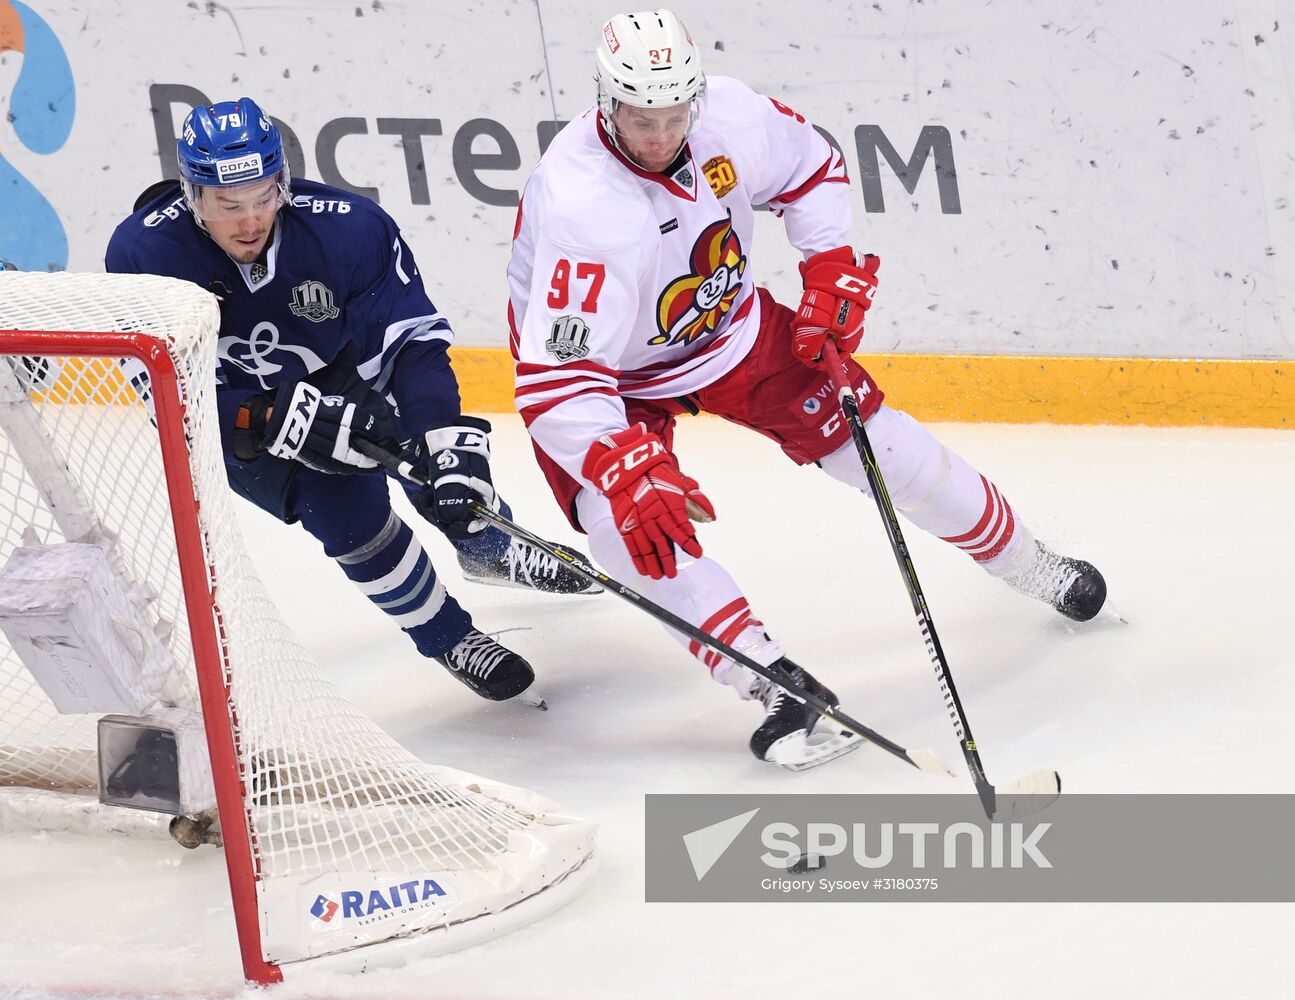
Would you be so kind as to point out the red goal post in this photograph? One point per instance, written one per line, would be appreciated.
(340, 845)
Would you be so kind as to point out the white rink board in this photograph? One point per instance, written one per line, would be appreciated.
(1123, 183)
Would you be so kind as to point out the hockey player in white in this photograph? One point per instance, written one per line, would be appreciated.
(633, 299)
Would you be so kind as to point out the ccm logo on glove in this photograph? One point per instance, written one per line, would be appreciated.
(630, 460)
(454, 459)
(839, 287)
(297, 425)
(301, 424)
(651, 500)
(856, 284)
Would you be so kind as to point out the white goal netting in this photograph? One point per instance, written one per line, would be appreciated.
(350, 835)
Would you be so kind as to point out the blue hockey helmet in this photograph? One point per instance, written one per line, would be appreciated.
(228, 144)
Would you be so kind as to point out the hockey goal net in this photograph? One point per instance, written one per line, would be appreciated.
(337, 839)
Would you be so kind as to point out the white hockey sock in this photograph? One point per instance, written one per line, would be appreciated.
(702, 593)
(755, 643)
(1017, 558)
(937, 490)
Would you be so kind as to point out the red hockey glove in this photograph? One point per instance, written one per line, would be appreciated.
(838, 291)
(651, 499)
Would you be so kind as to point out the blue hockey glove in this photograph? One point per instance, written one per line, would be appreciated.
(305, 425)
(455, 461)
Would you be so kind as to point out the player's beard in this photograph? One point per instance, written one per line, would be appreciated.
(656, 163)
(655, 159)
(257, 249)
(249, 253)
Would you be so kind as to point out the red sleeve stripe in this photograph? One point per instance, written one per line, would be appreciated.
(832, 164)
(532, 410)
(525, 368)
(631, 384)
(533, 380)
(549, 385)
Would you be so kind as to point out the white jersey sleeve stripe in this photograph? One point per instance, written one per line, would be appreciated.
(531, 410)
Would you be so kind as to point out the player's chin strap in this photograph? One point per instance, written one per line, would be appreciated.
(1022, 797)
(924, 760)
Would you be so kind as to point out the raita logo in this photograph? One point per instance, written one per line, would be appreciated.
(367, 905)
(41, 109)
(324, 909)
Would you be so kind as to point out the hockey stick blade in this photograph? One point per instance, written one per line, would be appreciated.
(1026, 796)
(923, 760)
(926, 760)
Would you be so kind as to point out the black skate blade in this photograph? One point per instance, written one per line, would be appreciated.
(532, 699)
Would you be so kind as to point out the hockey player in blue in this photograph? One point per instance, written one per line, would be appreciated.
(327, 336)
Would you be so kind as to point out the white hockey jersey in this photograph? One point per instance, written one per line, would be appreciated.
(624, 282)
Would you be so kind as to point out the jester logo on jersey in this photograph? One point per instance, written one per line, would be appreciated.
(693, 305)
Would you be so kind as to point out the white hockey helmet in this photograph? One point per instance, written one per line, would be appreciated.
(648, 60)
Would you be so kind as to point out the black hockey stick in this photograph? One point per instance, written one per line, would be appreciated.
(924, 760)
(1019, 798)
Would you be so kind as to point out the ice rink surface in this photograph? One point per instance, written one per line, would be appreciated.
(1193, 529)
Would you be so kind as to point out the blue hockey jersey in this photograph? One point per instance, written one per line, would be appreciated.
(338, 285)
